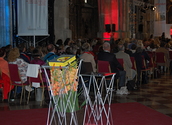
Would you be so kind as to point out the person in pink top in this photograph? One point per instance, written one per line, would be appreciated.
(5, 78)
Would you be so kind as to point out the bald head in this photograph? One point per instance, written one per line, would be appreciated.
(106, 46)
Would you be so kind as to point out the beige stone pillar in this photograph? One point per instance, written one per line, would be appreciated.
(61, 20)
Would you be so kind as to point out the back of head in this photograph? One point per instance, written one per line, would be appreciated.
(13, 54)
(68, 50)
(59, 42)
(2, 52)
(121, 47)
(66, 42)
(36, 53)
(50, 47)
(162, 44)
(86, 47)
(106, 46)
(140, 43)
(22, 47)
(133, 47)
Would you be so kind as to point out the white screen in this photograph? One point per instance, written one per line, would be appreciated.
(32, 17)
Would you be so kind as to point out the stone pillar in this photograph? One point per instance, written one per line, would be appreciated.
(101, 18)
(61, 20)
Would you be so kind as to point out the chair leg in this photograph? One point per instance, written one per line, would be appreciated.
(35, 92)
(140, 78)
(15, 91)
(21, 95)
(117, 86)
(28, 97)
(42, 96)
(9, 94)
(2, 93)
(24, 93)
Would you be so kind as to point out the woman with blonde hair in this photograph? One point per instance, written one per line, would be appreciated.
(14, 58)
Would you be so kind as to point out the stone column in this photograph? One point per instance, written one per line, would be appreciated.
(61, 20)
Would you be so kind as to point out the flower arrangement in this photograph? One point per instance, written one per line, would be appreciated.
(64, 87)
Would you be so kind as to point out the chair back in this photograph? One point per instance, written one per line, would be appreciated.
(38, 79)
(133, 63)
(160, 57)
(36, 76)
(86, 67)
(151, 63)
(103, 66)
(144, 66)
(121, 61)
(170, 55)
(14, 73)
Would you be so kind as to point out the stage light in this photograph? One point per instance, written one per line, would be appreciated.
(153, 8)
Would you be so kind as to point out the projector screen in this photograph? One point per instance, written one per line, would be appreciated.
(32, 17)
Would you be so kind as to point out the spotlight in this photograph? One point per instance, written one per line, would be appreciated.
(153, 8)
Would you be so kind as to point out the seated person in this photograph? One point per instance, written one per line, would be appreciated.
(14, 58)
(115, 67)
(87, 56)
(36, 54)
(5, 78)
(51, 53)
(130, 73)
(23, 54)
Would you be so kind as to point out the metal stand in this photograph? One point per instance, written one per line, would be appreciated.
(98, 110)
(61, 103)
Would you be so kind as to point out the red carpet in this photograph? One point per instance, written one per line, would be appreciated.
(138, 114)
(123, 114)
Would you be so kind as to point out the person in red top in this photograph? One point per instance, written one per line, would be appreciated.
(5, 78)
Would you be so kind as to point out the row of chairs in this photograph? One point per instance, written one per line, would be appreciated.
(156, 59)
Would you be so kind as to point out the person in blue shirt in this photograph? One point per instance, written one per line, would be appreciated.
(51, 53)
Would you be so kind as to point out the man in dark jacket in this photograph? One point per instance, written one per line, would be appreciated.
(115, 66)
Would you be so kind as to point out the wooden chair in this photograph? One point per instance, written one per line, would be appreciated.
(16, 80)
(86, 67)
(160, 59)
(37, 80)
(133, 61)
(170, 55)
(103, 66)
(151, 64)
(144, 68)
(121, 61)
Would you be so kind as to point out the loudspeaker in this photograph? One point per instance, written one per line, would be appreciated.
(113, 27)
(140, 29)
(107, 28)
